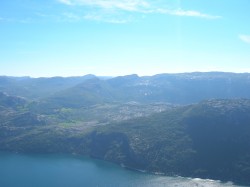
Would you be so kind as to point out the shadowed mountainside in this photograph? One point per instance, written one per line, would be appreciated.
(207, 140)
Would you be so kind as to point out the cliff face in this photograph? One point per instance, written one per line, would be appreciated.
(207, 140)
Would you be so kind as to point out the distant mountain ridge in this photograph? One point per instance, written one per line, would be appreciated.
(182, 88)
(36, 88)
(185, 88)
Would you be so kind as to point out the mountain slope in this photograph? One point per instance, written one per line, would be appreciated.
(36, 88)
(15, 117)
(183, 88)
(208, 140)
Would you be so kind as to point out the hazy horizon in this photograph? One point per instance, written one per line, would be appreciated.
(124, 74)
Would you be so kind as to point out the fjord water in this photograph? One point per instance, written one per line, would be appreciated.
(18, 170)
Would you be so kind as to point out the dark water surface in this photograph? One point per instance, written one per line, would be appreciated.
(18, 170)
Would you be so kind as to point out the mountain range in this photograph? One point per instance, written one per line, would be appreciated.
(189, 124)
(184, 88)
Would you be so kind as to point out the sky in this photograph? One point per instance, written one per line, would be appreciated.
(120, 37)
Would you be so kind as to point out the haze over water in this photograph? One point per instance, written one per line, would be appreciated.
(19, 170)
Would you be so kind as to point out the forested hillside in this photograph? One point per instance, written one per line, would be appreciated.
(138, 122)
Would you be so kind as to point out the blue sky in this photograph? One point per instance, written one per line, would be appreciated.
(119, 37)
